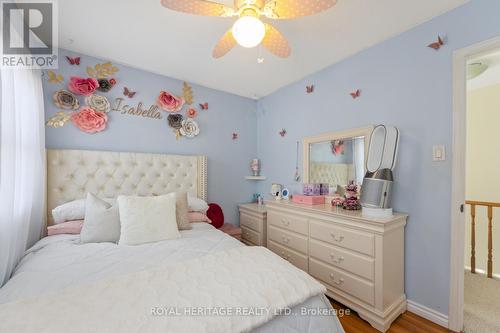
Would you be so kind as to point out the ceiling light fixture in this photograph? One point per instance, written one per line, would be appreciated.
(248, 30)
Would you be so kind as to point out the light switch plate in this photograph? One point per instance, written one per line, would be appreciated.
(438, 153)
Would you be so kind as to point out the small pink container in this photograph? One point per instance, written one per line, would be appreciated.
(308, 199)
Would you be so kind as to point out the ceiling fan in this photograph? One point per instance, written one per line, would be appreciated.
(248, 30)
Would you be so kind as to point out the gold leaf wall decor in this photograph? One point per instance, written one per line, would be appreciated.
(54, 78)
(187, 91)
(59, 119)
(102, 71)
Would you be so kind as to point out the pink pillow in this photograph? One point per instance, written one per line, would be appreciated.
(198, 217)
(70, 227)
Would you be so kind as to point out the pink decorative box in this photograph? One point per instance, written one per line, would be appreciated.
(308, 199)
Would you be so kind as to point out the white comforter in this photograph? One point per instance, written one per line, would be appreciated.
(58, 262)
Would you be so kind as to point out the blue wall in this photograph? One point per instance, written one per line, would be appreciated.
(406, 84)
(228, 160)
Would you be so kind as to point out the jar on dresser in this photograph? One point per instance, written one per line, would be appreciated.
(359, 259)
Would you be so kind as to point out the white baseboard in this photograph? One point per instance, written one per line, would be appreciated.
(427, 313)
(483, 272)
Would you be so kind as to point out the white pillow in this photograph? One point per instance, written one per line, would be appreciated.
(72, 210)
(102, 221)
(197, 205)
(147, 219)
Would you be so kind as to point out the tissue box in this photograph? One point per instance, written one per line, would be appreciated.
(311, 189)
(309, 199)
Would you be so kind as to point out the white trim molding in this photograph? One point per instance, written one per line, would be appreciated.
(427, 313)
(457, 229)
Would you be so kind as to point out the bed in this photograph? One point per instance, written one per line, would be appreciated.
(60, 263)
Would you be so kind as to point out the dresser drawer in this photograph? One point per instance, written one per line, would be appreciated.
(336, 279)
(291, 256)
(288, 222)
(250, 236)
(250, 222)
(350, 239)
(288, 239)
(344, 259)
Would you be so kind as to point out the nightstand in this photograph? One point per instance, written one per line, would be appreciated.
(253, 223)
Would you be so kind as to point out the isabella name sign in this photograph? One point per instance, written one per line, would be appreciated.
(139, 110)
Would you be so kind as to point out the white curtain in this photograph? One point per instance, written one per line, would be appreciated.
(22, 166)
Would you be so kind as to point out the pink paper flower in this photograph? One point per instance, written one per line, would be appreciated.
(169, 102)
(192, 113)
(89, 121)
(81, 86)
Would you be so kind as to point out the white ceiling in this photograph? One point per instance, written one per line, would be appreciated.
(146, 35)
(491, 76)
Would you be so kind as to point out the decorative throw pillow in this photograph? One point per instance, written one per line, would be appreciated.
(73, 210)
(197, 205)
(181, 211)
(198, 217)
(147, 219)
(69, 227)
(102, 221)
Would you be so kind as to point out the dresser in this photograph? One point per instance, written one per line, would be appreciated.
(253, 224)
(360, 260)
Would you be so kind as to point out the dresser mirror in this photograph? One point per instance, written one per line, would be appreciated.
(336, 158)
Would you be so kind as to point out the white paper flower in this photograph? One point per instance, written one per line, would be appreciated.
(190, 128)
(98, 103)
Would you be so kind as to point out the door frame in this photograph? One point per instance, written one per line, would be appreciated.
(460, 58)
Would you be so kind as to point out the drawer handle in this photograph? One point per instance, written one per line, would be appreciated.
(339, 282)
(285, 239)
(338, 260)
(285, 222)
(337, 239)
(285, 256)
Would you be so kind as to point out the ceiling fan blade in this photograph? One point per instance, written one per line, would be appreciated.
(224, 45)
(275, 42)
(289, 9)
(198, 7)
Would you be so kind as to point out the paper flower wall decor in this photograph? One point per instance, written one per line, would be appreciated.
(190, 128)
(98, 103)
(129, 93)
(73, 60)
(337, 147)
(437, 44)
(310, 89)
(102, 71)
(187, 92)
(54, 78)
(63, 99)
(89, 120)
(235, 136)
(204, 106)
(105, 85)
(356, 94)
(169, 102)
(283, 133)
(191, 113)
(83, 86)
(59, 119)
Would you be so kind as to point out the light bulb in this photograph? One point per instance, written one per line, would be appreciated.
(249, 31)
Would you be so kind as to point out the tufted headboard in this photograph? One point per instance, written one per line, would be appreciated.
(71, 174)
(331, 173)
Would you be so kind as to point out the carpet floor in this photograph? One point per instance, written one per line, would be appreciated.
(481, 304)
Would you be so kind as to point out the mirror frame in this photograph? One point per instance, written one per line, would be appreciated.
(330, 136)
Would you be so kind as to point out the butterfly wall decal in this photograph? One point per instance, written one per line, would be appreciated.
(204, 106)
(283, 132)
(437, 44)
(73, 60)
(54, 78)
(310, 89)
(356, 94)
(235, 136)
(127, 92)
